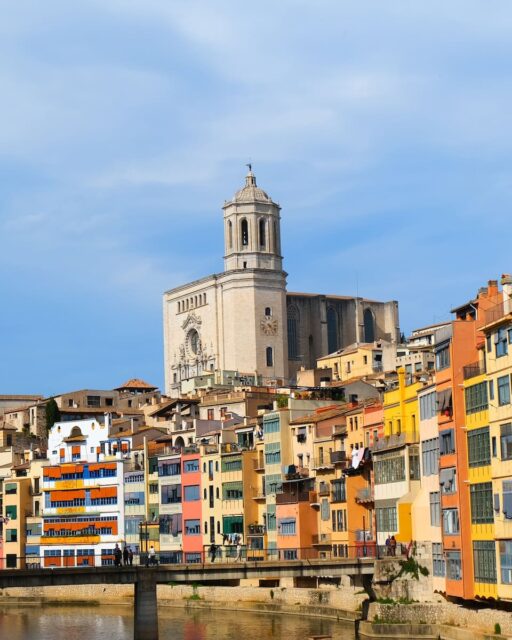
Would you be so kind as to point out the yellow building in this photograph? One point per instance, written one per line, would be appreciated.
(359, 360)
(396, 461)
(498, 347)
(480, 481)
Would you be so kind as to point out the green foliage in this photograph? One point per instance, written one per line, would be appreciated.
(52, 413)
(497, 628)
(282, 401)
(412, 567)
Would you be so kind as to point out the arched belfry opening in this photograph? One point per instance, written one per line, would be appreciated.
(244, 233)
(369, 325)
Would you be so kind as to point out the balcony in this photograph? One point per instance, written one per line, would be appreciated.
(338, 457)
(258, 494)
(259, 465)
(322, 538)
(364, 495)
(324, 489)
(256, 530)
(495, 313)
(296, 496)
(390, 442)
(321, 464)
(473, 370)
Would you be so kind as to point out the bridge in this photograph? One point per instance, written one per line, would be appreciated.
(145, 579)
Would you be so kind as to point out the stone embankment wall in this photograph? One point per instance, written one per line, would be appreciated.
(445, 613)
(342, 602)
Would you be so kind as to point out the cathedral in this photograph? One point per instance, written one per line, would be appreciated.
(243, 325)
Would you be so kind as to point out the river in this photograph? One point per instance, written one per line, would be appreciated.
(116, 623)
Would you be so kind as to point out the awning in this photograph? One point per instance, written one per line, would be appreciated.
(302, 431)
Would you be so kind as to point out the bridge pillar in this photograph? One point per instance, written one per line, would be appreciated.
(145, 615)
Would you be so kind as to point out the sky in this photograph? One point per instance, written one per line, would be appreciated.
(382, 128)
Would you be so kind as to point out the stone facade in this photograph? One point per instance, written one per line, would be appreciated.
(244, 321)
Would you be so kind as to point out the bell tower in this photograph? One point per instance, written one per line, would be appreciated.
(252, 235)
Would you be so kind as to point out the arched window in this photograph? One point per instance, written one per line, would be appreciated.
(244, 232)
(230, 234)
(268, 311)
(276, 241)
(263, 234)
(332, 330)
(369, 325)
(293, 332)
(270, 356)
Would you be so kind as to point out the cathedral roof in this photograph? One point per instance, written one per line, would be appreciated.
(250, 192)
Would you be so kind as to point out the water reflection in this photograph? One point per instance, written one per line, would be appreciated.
(114, 622)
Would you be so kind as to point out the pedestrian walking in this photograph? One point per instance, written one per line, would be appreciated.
(126, 555)
(213, 551)
(130, 556)
(388, 545)
(239, 552)
(152, 555)
(392, 544)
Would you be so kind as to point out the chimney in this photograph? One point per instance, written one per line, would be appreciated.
(506, 283)
(492, 288)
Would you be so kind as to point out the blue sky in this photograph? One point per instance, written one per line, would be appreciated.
(382, 128)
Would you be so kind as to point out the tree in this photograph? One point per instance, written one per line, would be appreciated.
(52, 414)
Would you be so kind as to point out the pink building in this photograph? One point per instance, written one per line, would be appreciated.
(191, 507)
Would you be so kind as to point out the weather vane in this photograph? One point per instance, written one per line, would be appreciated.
(249, 164)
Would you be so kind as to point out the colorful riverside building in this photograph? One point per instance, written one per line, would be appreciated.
(83, 513)
(191, 505)
(498, 348)
(396, 465)
(464, 514)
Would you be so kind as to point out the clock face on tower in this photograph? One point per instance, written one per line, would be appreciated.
(269, 326)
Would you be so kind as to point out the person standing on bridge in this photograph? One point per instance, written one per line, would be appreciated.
(130, 556)
(118, 554)
(238, 552)
(126, 555)
(213, 551)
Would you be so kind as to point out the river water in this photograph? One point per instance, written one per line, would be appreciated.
(116, 623)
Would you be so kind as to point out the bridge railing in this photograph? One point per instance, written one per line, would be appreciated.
(224, 554)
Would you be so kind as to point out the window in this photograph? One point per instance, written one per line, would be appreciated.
(232, 491)
(190, 466)
(481, 503)
(262, 230)
(93, 401)
(210, 414)
(192, 527)
(488, 343)
(484, 561)
(11, 511)
(271, 517)
(230, 234)
(507, 499)
(506, 441)
(435, 508)
(443, 358)
(11, 488)
(414, 463)
(439, 568)
(446, 442)
(448, 480)
(368, 326)
(244, 232)
(273, 484)
(476, 397)
(273, 453)
(430, 456)
(169, 469)
(286, 526)
(479, 447)
(505, 548)
(270, 356)
(191, 493)
(339, 520)
(293, 333)
(389, 469)
(171, 493)
(386, 519)
(500, 339)
(268, 311)
(491, 389)
(503, 390)
(11, 535)
(428, 406)
(451, 521)
(231, 464)
(339, 493)
(332, 330)
(453, 565)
